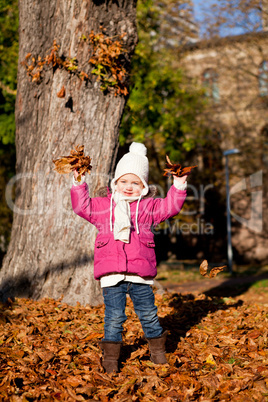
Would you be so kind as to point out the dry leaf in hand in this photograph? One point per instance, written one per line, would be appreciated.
(75, 161)
(203, 269)
(175, 169)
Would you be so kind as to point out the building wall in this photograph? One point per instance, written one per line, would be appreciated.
(238, 111)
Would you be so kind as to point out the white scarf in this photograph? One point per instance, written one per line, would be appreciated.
(122, 221)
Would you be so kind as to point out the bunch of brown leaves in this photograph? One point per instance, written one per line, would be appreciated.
(107, 57)
(175, 169)
(217, 351)
(75, 161)
(36, 66)
(203, 269)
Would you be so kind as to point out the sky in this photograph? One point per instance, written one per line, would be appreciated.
(201, 4)
(198, 11)
(197, 7)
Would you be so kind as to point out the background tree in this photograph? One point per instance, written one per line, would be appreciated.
(233, 17)
(8, 81)
(8, 68)
(59, 104)
(166, 111)
(164, 106)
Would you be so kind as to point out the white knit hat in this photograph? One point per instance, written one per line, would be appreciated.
(135, 162)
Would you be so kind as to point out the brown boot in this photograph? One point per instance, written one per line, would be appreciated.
(111, 353)
(157, 348)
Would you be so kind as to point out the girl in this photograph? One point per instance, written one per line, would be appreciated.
(124, 256)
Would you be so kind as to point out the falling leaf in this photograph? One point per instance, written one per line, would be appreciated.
(175, 169)
(203, 269)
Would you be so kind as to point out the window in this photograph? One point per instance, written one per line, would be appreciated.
(210, 82)
(263, 78)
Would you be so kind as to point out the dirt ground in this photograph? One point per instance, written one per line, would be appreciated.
(236, 288)
(248, 283)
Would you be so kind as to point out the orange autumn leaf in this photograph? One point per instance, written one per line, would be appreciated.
(210, 359)
(61, 93)
(52, 372)
(203, 269)
(175, 169)
(212, 349)
(75, 161)
(138, 353)
(75, 381)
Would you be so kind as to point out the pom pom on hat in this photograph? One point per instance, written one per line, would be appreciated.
(135, 162)
(138, 149)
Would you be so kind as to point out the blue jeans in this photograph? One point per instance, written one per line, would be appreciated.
(115, 303)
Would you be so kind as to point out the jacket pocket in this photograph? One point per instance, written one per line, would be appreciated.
(147, 250)
(102, 248)
(102, 242)
(147, 242)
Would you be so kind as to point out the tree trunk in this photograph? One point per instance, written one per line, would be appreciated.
(51, 249)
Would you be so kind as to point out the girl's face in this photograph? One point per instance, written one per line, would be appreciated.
(129, 185)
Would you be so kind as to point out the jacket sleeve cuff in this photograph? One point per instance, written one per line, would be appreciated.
(78, 183)
(180, 186)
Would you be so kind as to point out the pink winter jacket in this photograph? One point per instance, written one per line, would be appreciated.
(137, 256)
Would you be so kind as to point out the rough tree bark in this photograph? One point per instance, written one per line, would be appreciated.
(51, 249)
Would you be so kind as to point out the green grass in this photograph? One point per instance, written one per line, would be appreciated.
(261, 285)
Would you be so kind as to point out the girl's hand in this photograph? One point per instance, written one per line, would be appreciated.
(76, 174)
